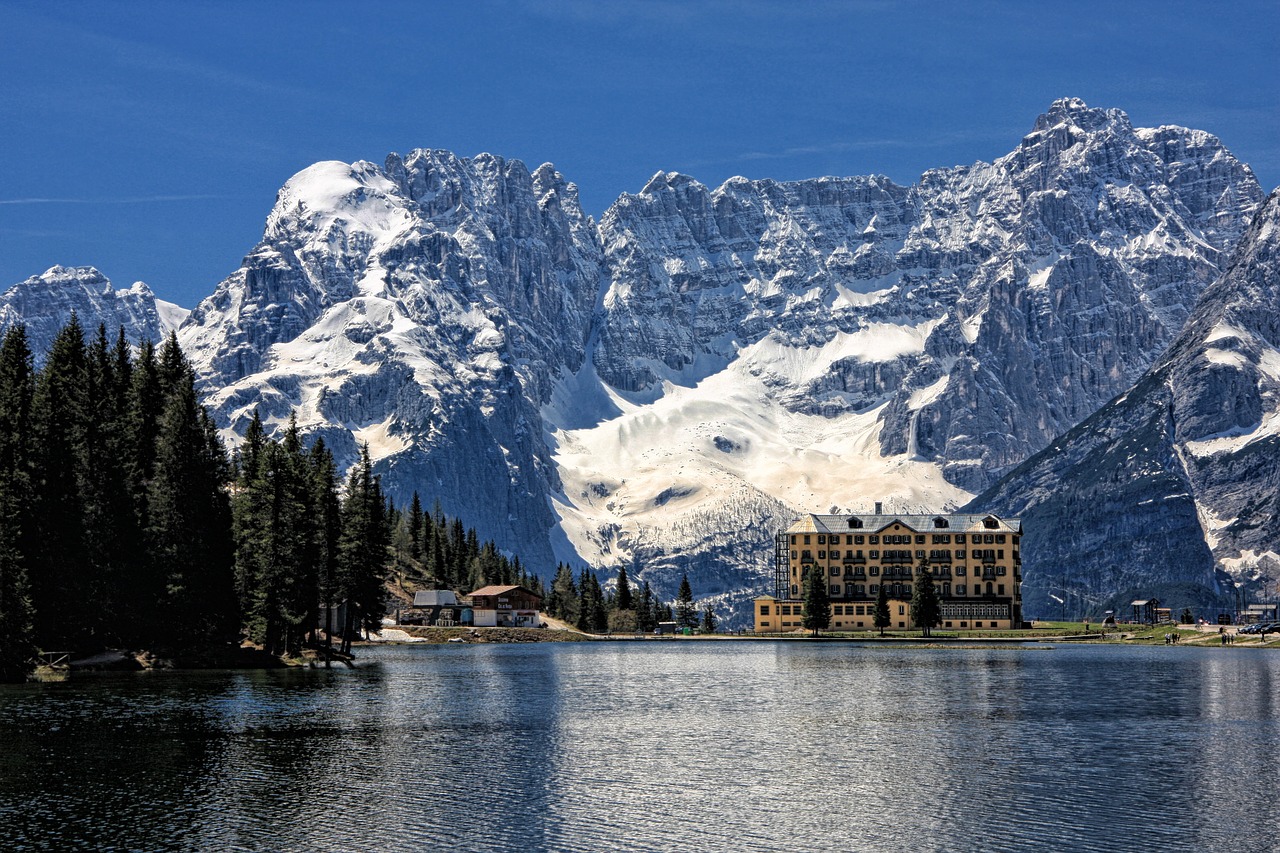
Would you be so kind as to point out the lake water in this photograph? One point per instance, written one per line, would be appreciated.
(680, 745)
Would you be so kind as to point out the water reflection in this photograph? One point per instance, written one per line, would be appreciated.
(664, 746)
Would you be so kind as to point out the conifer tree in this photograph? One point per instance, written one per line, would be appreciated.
(414, 523)
(926, 612)
(563, 602)
(881, 620)
(686, 614)
(362, 551)
(328, 530)
(63, 588)
(709, 621)
(17, 643)
(645, 620)
(623, 593)
(817, 602)
(190, 523)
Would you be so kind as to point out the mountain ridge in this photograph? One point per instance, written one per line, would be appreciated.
(625, 392)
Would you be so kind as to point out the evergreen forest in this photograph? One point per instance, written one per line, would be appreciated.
(125, 524)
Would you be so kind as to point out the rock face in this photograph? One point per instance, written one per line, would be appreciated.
(424, 308)
(1173, 489)
(1047, 280)
(667, 388)
(45, 303)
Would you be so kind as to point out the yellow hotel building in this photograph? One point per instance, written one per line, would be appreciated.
(974, 560)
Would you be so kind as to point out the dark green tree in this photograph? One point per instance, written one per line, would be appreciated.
(622, 595)
(189, 526)
(592, 616)
(709, 621)
(817, 601)
(686, 613)
(17, 635)
(882, 609)
(645, 620)
(414, 524)
(328, 531)
(926, 611)
(64, 589)
(563, 602)
(362, 551)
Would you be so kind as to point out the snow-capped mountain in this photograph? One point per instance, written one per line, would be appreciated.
(425, 308)
(45, 303)
(666, 388)
(1172, 490)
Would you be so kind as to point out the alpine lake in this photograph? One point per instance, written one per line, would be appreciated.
(658, 745)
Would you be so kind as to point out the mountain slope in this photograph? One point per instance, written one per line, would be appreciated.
(1179, 478)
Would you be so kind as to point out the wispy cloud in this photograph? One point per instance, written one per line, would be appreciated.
(149, 199)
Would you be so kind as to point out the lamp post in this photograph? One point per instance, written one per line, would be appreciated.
(1063, 602)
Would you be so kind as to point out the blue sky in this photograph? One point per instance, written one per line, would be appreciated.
(148, 139)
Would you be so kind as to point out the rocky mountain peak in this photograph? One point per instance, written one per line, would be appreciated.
(45, 302)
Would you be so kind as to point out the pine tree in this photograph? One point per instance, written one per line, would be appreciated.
(623, 594)
(17, 632)
(817, 602)
(563, 603)
(414, 523)
(882, 609)
(362, 551)
(190, 524)
(645, 620)
(686, 613)
(63, 589)
(328, 529)
(926, 612)
(709, 621)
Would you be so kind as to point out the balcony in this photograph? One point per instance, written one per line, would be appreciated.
(856, 560)
(855, 575)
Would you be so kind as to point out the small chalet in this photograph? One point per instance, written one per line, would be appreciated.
(505, 606)
(438, 607)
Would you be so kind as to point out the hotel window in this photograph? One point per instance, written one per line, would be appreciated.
(960, 570)
(794, 554)
(959, 553)
(835, 555)
(999, 538)
(902, 609)
(875, 589)
(822, 555)
(1000, 570)
(875, 555)
(848, 540)
(795, 590)
(959, 589)
(874, 540)
(857, 540)
(1000, 589)
(959, 538)
(835, 570)
(835, 589)
(874, 570)
(764, 624)
(919, 540)
(764, 610)
(806, 539)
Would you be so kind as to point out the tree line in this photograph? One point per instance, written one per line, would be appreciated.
(583, 603)
(124, 523)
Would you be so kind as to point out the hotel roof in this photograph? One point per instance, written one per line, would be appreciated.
(963, 523)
